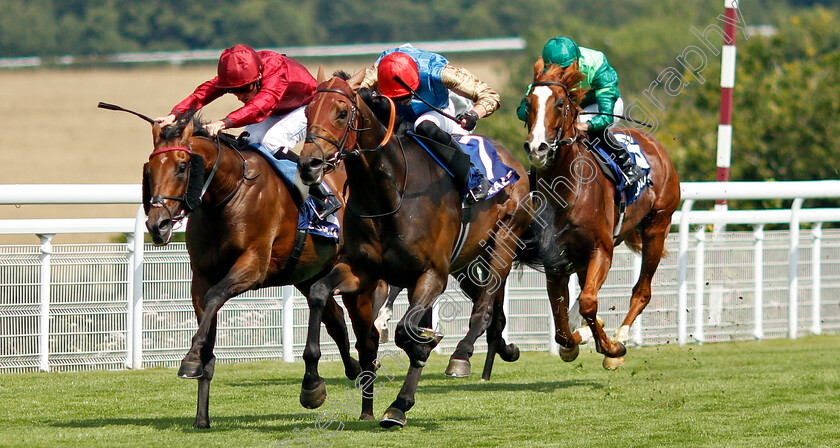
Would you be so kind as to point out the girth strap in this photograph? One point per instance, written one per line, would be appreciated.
(297, 251)
(466, 217)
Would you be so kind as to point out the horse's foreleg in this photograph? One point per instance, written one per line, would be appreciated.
(558, 296)
(653, 246)
(459, 361)
(360, 308)
(313, 391)
(333, 319)
(417, 342)
(596, 274)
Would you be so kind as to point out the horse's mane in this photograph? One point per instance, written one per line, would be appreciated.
(382, 110)
(175, 130)
(569, 76)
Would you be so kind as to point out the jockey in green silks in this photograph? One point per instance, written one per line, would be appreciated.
(601, 80)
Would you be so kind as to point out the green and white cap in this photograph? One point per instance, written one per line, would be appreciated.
(561, 51)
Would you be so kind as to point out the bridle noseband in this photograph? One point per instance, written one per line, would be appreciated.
(559, 141)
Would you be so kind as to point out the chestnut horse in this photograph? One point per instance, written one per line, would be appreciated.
(406, 217)
(580, 233)
(240, 235)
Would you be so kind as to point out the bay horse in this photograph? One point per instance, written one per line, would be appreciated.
(580, 235)
(403, 222)
(241, 234)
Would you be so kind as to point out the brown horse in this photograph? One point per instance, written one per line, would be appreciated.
(240, 236)
(406, 217)
(579, 233)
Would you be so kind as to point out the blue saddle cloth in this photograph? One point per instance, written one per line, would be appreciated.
(308, 219)
(632, 193)
(485, 164)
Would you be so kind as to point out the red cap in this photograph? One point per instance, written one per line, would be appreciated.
(400, 65)
(238, 66)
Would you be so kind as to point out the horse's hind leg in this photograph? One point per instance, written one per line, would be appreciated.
(383, 307)
(333, 319)
(653, 246)
(459, 361)
(360, 308)
(495, 341)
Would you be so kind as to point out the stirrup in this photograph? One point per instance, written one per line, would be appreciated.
(633, 174)
(480, 192)
(326, 207)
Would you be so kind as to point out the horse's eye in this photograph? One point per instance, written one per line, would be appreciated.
(342, 114)
(182, 167)
(560, 102)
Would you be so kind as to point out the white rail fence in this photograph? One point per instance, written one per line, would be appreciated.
(112, 306)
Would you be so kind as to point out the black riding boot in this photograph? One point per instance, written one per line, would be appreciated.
(621, 156)
(325, 202)
(453, 157)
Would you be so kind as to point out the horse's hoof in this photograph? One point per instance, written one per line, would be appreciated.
(613, 363)
(383, 335)
(190, 370)
(353, 370)
(311, 399)
(392, 417)
(366, 416)
(622, 350)
(458, 368)
(569, 354)
(510, 353)
(201, 424)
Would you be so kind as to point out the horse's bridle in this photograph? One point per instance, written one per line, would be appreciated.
(559, 141)
(186, 207)
(344, 150)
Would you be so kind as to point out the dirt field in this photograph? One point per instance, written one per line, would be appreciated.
(55, 134)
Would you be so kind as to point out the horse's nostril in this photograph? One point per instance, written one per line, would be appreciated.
(165, 224)
(314, 164)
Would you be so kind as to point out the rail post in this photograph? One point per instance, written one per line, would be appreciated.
(793, 270)
(682, 275)
(44, 316)
(699, 290)
(288, 340)
(758, 281)
(816, 280)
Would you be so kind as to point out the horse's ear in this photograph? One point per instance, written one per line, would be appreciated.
(188, 132)
(539, 66)
(155, 133)
(321, 76)
(355, 81)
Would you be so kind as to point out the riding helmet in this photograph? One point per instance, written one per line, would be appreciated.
(238, 66)
(394, 65)
(561, 51)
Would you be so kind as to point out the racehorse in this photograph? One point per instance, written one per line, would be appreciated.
(242, 234)
(583, 235)
(406, 215)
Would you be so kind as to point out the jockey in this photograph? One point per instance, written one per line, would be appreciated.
(275, 90)
(430, 77)
(601, 80)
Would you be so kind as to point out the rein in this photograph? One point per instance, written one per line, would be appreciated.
(344, 152)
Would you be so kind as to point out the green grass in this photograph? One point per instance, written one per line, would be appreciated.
(776, 393)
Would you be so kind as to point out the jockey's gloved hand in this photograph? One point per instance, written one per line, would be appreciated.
(468, 120)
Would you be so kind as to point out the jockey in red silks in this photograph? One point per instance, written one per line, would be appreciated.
(420, 82)
(275, 90)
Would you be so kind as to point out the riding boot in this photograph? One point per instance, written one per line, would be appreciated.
(325, 202)
(453, 158)
(621, 156)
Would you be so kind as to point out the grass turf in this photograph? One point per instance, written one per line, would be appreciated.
(775, 393)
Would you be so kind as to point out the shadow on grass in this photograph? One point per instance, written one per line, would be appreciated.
(456, 384)
(260, 423)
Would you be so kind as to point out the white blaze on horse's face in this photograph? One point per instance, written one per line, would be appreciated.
(538, 142)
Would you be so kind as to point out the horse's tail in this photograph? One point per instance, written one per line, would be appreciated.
(634, 243)
(540, 251)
